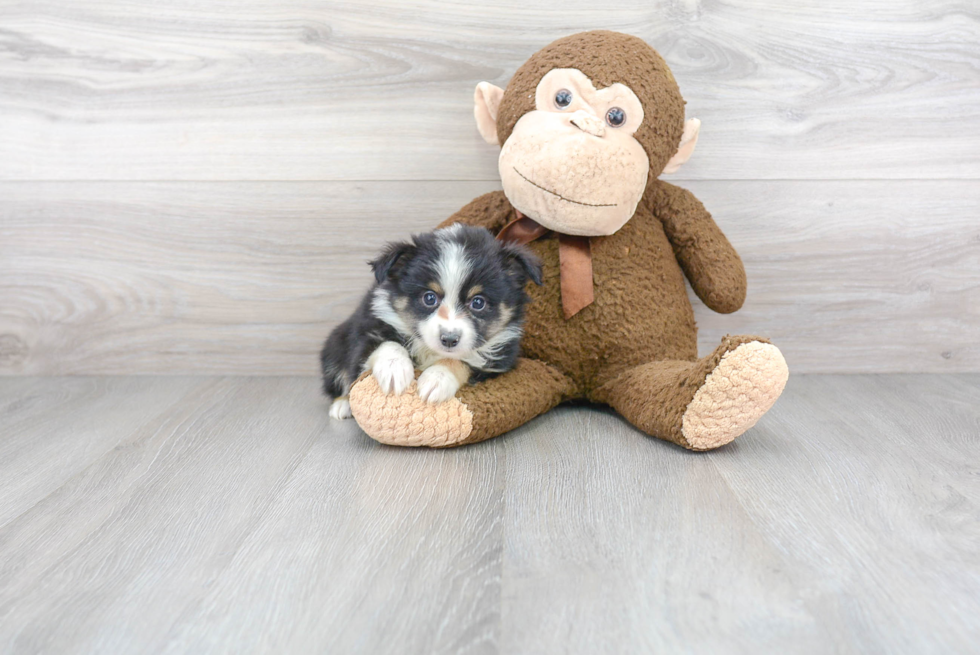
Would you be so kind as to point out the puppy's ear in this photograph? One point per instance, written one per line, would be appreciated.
(524, 263)
(391, 260)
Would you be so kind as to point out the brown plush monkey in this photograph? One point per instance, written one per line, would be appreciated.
(586, 126)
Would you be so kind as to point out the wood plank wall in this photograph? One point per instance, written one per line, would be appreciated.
(193, 186)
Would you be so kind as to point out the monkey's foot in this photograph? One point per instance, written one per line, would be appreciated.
(406, 419)
(741, 388)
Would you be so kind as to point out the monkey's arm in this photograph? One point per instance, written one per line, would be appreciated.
(708, 259)
(491, 210)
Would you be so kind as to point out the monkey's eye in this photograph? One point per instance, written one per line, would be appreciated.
(478, 303)
(563, 98)
(615, 117)
(430, 299)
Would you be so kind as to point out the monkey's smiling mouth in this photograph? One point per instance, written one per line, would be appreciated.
(558, 195)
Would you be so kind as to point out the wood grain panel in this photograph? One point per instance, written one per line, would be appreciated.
(854, 277)
(324, 90)
(248, 278)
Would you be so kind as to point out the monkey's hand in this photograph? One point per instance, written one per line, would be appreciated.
(709, 261)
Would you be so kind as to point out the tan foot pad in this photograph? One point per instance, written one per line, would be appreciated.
(744, 385)
(406, 419)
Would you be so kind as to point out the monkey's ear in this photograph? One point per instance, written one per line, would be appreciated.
(684, 151)
(486, 104)
(391, 260)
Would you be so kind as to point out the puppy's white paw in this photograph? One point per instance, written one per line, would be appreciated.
(437, 384)
(394, 373)
(340, 409)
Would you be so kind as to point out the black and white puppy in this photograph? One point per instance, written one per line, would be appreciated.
(450, 303)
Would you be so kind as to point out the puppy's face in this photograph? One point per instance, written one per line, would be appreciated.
(454, 290)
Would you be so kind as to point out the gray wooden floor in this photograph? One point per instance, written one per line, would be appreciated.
(169, 514)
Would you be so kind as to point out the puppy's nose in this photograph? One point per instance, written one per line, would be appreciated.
(449, 339)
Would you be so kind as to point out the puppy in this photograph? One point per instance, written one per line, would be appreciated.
(450, 302)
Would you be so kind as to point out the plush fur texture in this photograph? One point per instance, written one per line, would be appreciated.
(450, 302)
(635, 346)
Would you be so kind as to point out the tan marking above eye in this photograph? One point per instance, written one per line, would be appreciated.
(475, 290)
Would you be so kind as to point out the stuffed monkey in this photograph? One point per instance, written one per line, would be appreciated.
(586, 127)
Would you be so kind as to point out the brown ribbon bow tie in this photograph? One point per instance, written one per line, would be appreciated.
(574, 257)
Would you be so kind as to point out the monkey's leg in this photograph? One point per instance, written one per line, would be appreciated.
(478, 412)
(703, 404)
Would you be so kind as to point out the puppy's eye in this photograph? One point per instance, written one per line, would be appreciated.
(478, 303)
(563, 98)
(615, 117)
(430, 299)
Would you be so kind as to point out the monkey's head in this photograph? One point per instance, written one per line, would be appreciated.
(585, 125)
